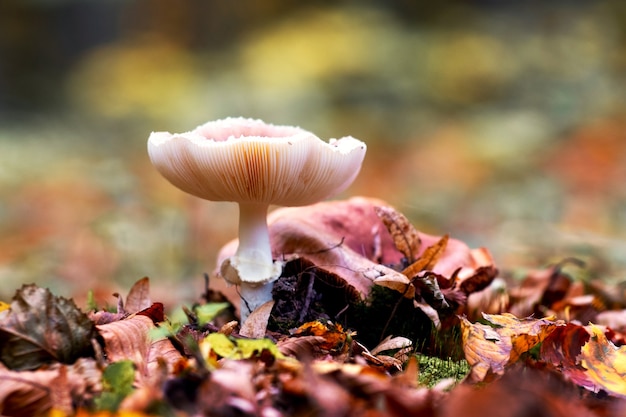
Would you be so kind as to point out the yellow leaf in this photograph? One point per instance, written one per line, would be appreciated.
(4, 306)
(605, 363)
(220, 344)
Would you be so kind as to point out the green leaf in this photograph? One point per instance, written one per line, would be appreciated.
(208, 312)
(117, 384)
(41, 328)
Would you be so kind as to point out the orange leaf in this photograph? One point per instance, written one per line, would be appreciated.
(429, 258)
(605, 363)
(334, 335)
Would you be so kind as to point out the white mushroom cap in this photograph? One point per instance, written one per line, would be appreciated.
(249, 161)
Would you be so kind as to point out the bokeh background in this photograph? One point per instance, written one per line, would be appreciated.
(502, 123)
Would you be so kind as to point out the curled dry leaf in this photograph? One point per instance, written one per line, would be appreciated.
(392, 343)
(405, 237)
(41, 328)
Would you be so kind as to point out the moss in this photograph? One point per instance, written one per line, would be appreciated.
(433, 370)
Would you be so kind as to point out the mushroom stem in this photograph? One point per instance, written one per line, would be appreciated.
(253, 296)
(254, 240)
(252, 267)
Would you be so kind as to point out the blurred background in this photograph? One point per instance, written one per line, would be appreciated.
(499, 122)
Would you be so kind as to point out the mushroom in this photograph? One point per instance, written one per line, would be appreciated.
(256, 165)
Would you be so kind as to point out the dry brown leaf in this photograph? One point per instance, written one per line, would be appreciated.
(255, 325)
(42, 328)
(301, 347)
(392, 343)
(138, 297)
(24, 393)
(335, 337)
(404, 235)
(397, 282)
(130, 339)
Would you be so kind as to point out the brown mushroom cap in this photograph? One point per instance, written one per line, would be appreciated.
(249, 161)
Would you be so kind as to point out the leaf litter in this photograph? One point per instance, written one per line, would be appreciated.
(371, 317)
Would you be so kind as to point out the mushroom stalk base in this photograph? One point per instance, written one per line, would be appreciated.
(253, 297)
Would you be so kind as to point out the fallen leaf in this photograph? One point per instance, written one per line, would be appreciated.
(154, 312)
(138, 297)
(207, 312)
(605, 363)
(561, 349)
(301, 347)
(335, 337)
(118, 379)
(33, 393)
(255, 325)
(428, 259)
(237, 348)
(427, 285)
(524, 334)
(41, 328)
(131, 339)
(228, 391)
(490, 349)
(405, 237)
(392, 343)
